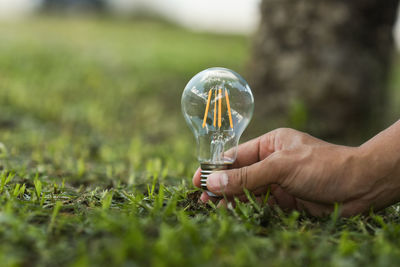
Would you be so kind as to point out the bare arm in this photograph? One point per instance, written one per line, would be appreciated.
(381, 171)
(306, 173)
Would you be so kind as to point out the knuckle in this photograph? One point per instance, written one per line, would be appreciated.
(243, 177)
(275, 165)
(284, 130)
(283, 137)
(281, 129)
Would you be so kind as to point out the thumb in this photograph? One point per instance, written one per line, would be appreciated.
(263, 173)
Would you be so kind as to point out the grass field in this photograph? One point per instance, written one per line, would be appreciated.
(96, 161)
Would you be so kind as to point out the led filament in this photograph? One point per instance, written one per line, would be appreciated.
(219, 100)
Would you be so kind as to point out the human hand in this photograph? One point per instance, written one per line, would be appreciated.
(303, 173)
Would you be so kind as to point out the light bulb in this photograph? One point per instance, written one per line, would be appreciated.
(217, 104)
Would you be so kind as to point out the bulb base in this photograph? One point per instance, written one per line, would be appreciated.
(206, 170)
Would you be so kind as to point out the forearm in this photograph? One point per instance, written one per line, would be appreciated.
(309, 174)
(383, 151)
(380, 161)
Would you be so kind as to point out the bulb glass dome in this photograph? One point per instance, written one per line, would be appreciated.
(217, 104)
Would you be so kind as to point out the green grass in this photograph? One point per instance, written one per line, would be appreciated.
(96, 161)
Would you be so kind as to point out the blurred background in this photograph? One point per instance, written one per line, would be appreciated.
(91, 126)
(101, 80)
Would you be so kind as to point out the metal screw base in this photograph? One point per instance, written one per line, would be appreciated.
(206, 170)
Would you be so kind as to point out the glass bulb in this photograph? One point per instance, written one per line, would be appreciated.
(217, 104)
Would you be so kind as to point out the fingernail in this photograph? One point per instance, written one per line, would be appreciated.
(203, 197)
(217, 181)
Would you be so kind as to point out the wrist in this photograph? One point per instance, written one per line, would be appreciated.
(360, 177)
(376, 163)
(381, 153)
(378, 169)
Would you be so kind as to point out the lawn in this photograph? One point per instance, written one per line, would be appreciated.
(96, 160)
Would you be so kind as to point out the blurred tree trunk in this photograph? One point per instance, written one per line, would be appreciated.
(322, 66)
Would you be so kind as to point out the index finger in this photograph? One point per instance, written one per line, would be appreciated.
(254, 150)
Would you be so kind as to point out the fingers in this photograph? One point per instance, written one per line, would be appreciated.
(288, 203)
(352, 208)
(205, 198)
(283, 199)
(260, 174)
(277, 197)
(259, 199)
(260, 191)
(255, 150)
(196, 178)
(249, 153)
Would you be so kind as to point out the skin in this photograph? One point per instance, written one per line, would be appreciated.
(306, 173)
